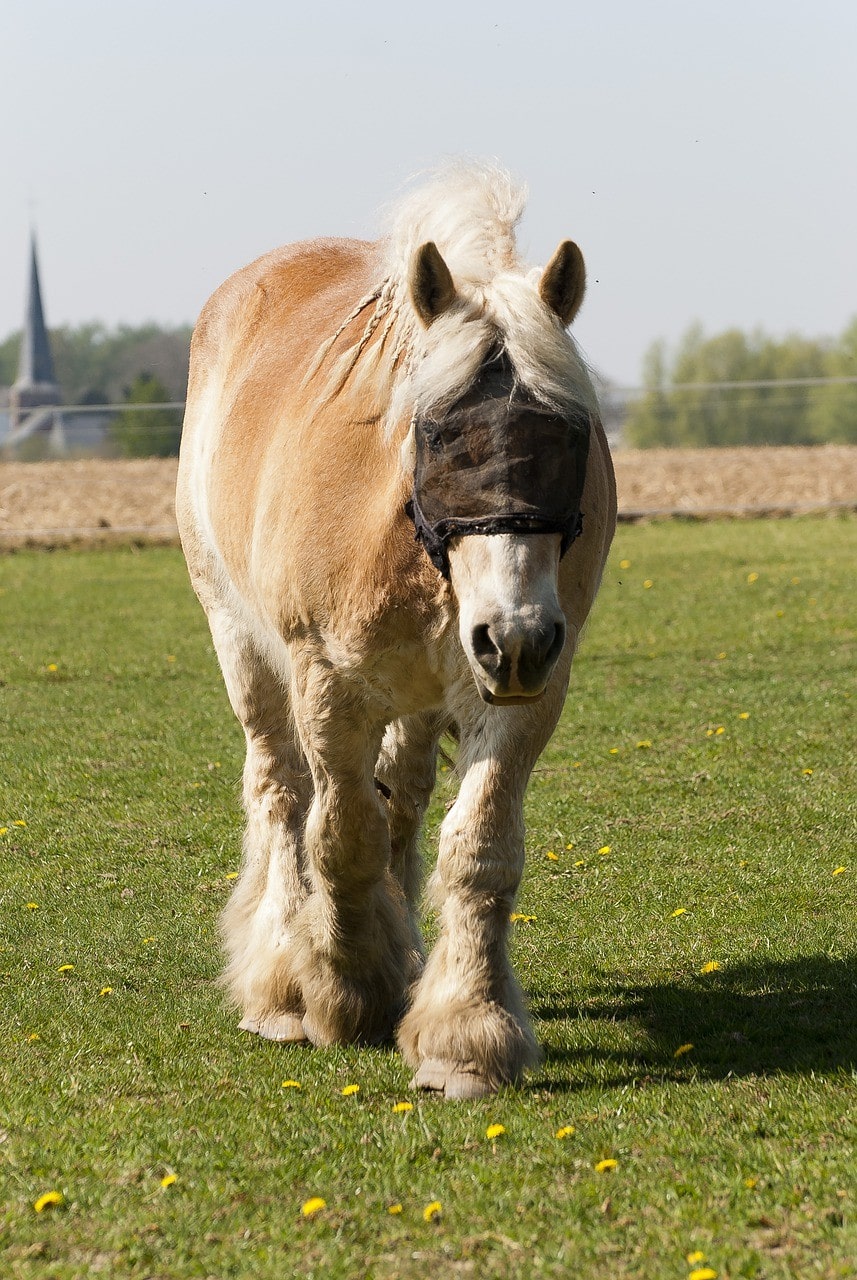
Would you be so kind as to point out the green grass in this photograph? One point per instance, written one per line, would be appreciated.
(124, 763)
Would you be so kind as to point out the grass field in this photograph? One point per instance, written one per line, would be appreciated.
(689, 949)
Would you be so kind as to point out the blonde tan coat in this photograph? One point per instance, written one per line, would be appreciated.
(345, 653)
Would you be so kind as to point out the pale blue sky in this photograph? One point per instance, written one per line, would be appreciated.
(702, 154)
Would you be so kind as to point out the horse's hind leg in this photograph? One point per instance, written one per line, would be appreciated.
(467, 1031)
(256, 923)
(405, 775)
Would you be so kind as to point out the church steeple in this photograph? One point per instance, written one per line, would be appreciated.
(35, 362)
(36, 384)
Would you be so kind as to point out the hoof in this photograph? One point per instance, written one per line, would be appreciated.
(275, 1026)
(454, 1079)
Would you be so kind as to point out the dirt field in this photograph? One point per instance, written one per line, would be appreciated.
(58, 503)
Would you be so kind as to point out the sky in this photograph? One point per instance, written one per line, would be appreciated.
(701, 154)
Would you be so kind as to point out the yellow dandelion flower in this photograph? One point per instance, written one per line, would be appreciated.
(682, 1049)
(695, 1257)
(719, 730)
(3, 831)
(551, 856)
(795, 582)
(743, 715)
(19, 822)
(566, 1131)
(171, 657)
(752, 577)
(721, 655)
(52, 666)
(32, 906)
(643, 743)
(402, 1107)
(106, 991)
(168, 1180)
(65, 968)
(494, 1131)
(231, 875)
(570, 845)
(710, 966)
(578, 764)
(603, 1166)
(703, 1273)
(148, 940)
(291, 1084)
(314, 1205)
(350, 1089)
(624, 564)
(781, 613)
(807, 773)
(648, 584)
(432, 1212)
(394, 1208)
(522, 916)
(50, 1200)
(750, 1183)
(614, 751)
(33, 1037)
(604, 850)
(581, 862)
(709, 733)
(679, 911)
(839, 870)
(743, 863)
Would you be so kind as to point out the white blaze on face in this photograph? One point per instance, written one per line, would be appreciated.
(511, 626)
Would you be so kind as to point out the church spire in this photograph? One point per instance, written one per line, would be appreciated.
(35, 362)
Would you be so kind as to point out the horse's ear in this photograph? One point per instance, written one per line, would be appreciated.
(432, 289)
(563, 282)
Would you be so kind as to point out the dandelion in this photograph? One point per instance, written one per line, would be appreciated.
(581, 862)
(683, 1049)
(32, 906)
(614, 751)
(679, 911)
(19, 822)
(231, 875)
(168, 1180)
(710, 966)
(3, 831)
(566, 1131)
(648, 584)
(171, 657)
(807, 773)
(570, 846)
(695, 1257)
(703, 1273)
(291, 1084)
(752, 577)
(795, 582)
(522, 916)
(644, 743)
(33, 1037)
(65, 968)
(350, 1090)
(551, 856)
(750, 1183)
(719, 730)
(394, 1208)
(721, 656)
(50, 1200)
(432, 1212)
(603, 1166)
(839, 870)
(148, 940)
(106, 991)
(494, 1131)
(743, 715)
(624, 564)
(604, 850)
(314, 1205)
(578, 764)
(402, 1107)
(52, 666)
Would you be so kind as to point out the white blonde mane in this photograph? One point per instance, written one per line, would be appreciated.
(471, 212)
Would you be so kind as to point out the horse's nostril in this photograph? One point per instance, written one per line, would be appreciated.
(484, 648)
(556, 645)
(541, 652)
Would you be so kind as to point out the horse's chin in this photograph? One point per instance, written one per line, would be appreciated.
(506, 700)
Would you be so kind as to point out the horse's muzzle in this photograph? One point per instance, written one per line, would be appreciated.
(512, 663)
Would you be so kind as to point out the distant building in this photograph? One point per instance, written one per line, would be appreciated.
(35, 394)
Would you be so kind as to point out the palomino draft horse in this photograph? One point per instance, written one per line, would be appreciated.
(386, 453)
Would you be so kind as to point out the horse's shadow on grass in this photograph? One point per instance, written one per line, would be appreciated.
(756, 1018)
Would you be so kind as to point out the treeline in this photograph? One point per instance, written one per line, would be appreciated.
(97, 365)
(674, 414)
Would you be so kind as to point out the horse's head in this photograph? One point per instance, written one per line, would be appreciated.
(498, 477)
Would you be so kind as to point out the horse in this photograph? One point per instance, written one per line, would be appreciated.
(395, 500)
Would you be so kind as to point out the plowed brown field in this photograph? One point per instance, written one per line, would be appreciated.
(58, 503)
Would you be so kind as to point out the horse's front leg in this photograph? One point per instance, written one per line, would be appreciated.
(355, 952)
(467, 1031)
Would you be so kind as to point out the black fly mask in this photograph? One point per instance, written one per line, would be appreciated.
(498, 462)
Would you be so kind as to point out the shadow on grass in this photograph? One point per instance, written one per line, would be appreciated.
(796, 1016)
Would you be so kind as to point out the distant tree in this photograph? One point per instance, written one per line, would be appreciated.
(677, 411)
(833, 418)
(147, 433)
